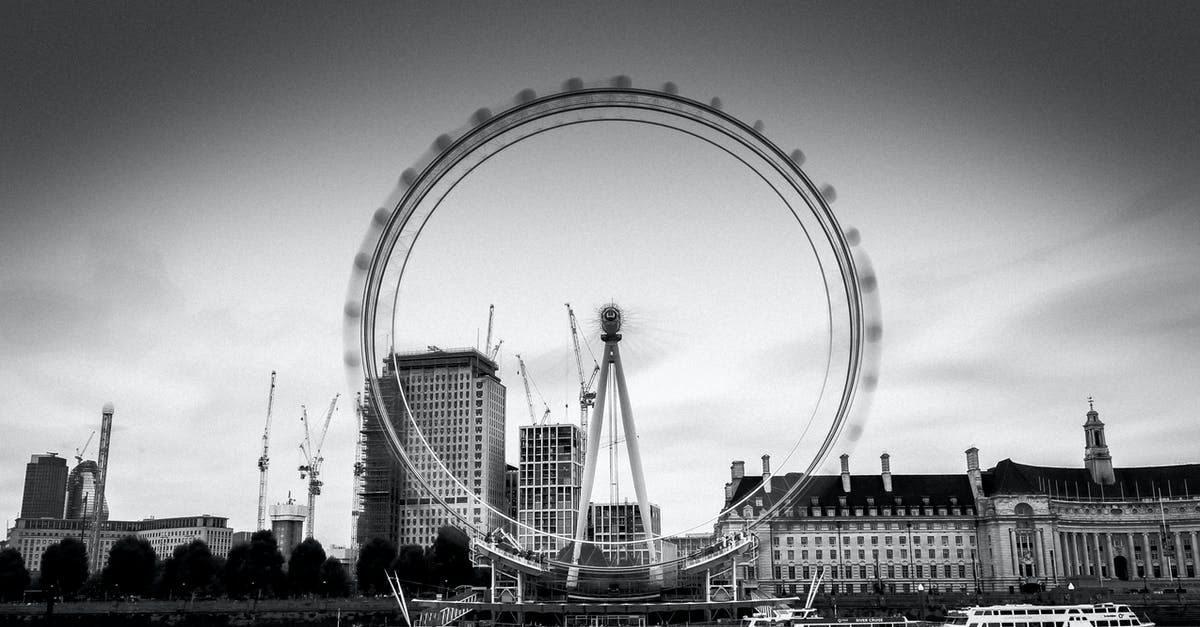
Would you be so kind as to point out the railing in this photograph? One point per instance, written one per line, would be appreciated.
(724, 547)
(534, 563)
(449, 614)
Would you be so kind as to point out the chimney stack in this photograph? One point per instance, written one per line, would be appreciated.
(737, 470)
(974, 475)
(766, 481)
(846, 473)
(885, 461)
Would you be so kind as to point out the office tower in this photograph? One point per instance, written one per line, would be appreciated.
(81, 491)
(454, 436)
(622, 522)
(550, 475)
(45, 487)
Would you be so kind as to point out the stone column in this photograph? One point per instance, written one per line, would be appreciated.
(1179, 554)
(1012, 554)
(1129, 559)
(1073, 552)
(1087, 557)
(1147, 558)
(1112, 565)
(1096, 551)
(1039, 542)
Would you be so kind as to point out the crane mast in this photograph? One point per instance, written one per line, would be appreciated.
(264, 460)
(488, 349)
(313, 459)
(487, 344)
(95, 554)
(587, 396)
(79, 452)
(529, 397)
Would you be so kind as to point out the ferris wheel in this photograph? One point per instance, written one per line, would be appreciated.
(850, 288)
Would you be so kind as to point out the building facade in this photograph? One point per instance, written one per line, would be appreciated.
(453, 431)
(622, 523)
(31, 536)
(81, 491)
(164, 534)
(1008, 527)
(287, 523)
(866, 533)
(45, 487)
(1096, 524)
(549, 482)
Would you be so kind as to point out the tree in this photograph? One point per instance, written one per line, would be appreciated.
(412, 567)
(191, 569)
(304, 567)
(255, 568)
(131, 567)
(451, 560)
(65, 567)
(14, 577)
(373, 560)
(334, 582)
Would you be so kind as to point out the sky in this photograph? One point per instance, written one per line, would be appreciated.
(183, 188)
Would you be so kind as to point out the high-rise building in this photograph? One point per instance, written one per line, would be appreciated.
(622, 522)
(81, 491)
(287, 523)
(550, 479)
(45, 487)
(454, 435)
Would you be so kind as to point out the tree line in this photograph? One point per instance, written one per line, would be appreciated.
(254, 569)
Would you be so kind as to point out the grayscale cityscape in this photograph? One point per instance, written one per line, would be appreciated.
(600, 315)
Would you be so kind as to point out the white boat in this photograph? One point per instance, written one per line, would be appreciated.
(807, 616)
(1025, 615)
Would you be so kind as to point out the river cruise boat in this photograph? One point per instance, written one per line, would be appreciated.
(808, 617)
(1083, 615)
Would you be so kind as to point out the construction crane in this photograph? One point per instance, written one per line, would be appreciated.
(587, 395)
(529, 397)
(94, 552)
(80, 451)
(488, 349)
(312, 461)
(487, 344)
(264, 460)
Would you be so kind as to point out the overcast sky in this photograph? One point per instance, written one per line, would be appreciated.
(183, 187)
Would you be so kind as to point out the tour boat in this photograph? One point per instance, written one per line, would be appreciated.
(1082, 615)
(808, 617)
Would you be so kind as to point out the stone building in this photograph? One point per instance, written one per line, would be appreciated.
(1096, 524)
(867, 533)
(1013, 525)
